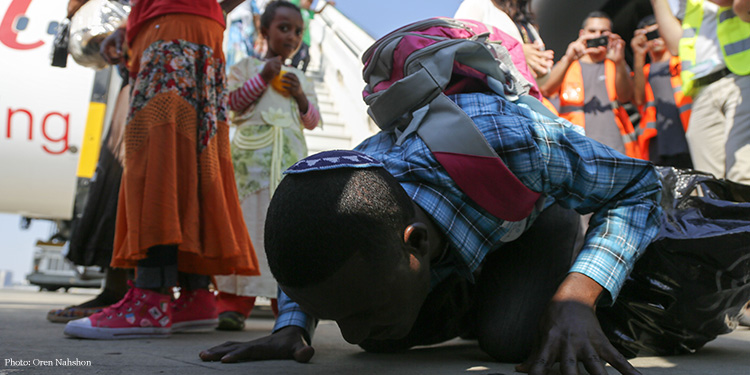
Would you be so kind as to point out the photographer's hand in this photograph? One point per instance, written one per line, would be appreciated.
(616, 48)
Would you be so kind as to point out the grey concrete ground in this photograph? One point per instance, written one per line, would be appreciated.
(25, 335)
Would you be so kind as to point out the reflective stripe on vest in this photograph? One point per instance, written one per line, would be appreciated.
(733, 35)
(647, 128)
(572, 100)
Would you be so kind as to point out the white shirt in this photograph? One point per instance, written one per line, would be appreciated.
(485, 11)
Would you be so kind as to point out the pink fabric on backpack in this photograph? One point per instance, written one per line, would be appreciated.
(514, 47)
(471, 78)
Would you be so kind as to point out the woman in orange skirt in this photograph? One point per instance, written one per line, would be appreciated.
(178, 217)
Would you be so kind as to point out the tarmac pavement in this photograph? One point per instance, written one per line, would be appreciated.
(29, 344)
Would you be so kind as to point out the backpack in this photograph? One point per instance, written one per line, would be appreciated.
(410, 71)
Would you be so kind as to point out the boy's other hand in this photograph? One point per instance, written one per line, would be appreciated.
(571, 334)
(286, 343)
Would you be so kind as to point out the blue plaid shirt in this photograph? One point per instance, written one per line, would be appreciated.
(548, 156)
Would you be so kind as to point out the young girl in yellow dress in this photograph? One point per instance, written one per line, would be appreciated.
(272, 103)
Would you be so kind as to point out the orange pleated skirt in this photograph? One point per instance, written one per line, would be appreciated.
(178, 183)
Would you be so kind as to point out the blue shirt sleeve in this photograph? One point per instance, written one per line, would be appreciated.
(553, 157)
(290, 314)
(622, 193)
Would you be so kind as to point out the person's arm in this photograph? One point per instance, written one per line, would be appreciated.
(742, 9)
(623, 80)
(575, 50)
(247, 94)
(311, 118)
(304, 95)
(290, 339)
(623, 194)
(325, 4)
(292, 83)
(538, 59)
(244, 91)
(574, 334)
(639, 45)
(670, 27)
(111, 48)
(229, 5)
(307, 111)
(74, 5)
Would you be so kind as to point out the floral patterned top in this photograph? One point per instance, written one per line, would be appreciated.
(269, 135)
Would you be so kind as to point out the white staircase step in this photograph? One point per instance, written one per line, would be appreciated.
(318, 141)
(334, 133)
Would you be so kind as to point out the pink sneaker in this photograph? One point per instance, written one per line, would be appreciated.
(195, 310)
(141, 313)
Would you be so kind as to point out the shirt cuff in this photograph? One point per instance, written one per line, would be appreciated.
(290, 314)
(592, 263)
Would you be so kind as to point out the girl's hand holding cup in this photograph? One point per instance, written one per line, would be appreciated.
(271, 69)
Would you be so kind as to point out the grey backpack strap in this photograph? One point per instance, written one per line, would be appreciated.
(447, 128)
(403, 97)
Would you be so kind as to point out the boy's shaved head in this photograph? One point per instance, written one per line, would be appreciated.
(316, 221)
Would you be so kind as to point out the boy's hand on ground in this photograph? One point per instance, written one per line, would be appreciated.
(570, 333)
(286, 343)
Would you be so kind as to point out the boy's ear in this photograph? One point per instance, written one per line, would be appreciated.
(416, 236)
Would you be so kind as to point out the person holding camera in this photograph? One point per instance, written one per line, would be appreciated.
(665, 109)
(592, 79)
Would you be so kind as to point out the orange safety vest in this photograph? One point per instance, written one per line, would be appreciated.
(647, 129)
(572, 98)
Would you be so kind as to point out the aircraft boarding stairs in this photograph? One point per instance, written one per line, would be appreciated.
(336, 70)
